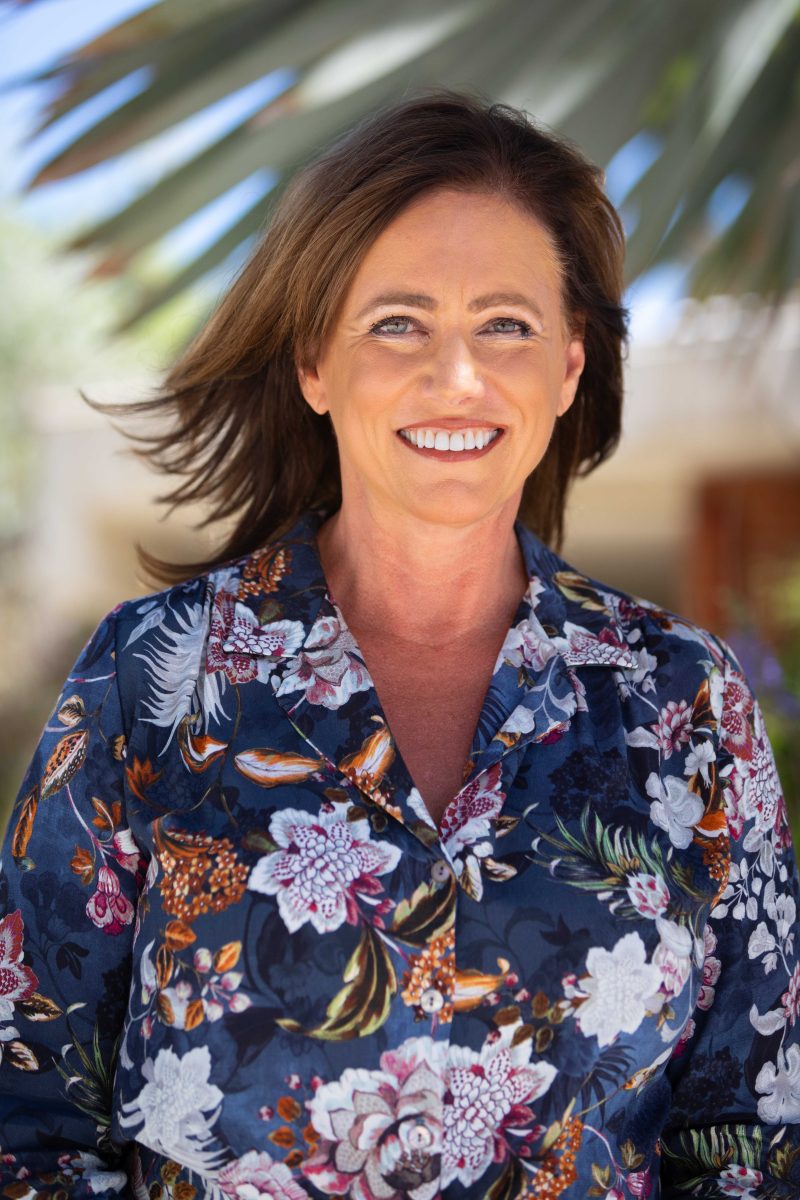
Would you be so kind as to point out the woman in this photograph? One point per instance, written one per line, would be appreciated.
(388, 855)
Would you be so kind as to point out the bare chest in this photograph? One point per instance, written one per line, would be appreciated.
(432, 712)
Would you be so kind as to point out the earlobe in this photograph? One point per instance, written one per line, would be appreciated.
(311, 386)
(575, 362)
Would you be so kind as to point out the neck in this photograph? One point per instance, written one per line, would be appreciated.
(416, 581)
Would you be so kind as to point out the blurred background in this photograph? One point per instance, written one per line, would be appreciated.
(142, 145)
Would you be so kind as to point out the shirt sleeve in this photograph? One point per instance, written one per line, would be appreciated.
(734, 1125)
(70, 876)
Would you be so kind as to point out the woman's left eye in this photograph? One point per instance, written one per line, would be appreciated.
(523, 326)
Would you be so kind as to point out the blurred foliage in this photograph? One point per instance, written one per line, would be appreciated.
(716, 86)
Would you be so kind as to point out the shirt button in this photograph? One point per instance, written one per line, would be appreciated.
(441, 871)
(431, 1000)
(419, 1136)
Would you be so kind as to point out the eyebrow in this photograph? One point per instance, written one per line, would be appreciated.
(420, 300)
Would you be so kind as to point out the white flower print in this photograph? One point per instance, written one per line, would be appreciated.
(675, 969)
(322, 863)
(779, 1087)
(526, 644)
(699, 758)
(489, 1090)
(327, 668)
(640, 675)
(740, 1181)
(648, 894)
(172, 1105)
(256, 1176)
(617, 992)
(381, 1133)
(674, 808)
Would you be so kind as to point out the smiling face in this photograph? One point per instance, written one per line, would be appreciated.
(453, 322)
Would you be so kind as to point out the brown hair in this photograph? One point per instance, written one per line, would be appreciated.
(242, 434)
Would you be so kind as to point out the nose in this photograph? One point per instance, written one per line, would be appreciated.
(455, 373)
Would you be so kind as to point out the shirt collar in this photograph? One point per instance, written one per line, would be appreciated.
(569, 613)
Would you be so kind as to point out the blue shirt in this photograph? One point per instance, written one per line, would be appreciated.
(239, 959)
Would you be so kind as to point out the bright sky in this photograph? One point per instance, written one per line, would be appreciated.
(35, 36)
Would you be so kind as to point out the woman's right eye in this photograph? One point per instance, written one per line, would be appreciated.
(380, 326)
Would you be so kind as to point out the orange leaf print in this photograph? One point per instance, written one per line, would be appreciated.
(178, 935)
(198, 751)
(141, 776)
(712, 823)
(282, 1137)
(72, 711)
(165, 1010)
(64, 762)
(288, 1108)
(164, 965)
(195, 1014)
(82, 865)
(24, 828)
(310, 1134)
(227, 957)
(183, 1190)
(369, 764)
(270, 768)
(103, 820)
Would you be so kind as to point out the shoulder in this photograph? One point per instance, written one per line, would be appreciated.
(674, 654)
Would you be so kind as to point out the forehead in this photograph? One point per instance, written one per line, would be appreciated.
(454, 227)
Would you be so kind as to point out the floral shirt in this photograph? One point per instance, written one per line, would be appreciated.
(238, 958)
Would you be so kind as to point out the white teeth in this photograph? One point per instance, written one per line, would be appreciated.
(440, 439)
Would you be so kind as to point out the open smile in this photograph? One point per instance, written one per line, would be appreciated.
(451, 445)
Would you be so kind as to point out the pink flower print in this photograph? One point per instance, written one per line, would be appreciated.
(711, 970)
(648, 894)
(674, 726)
(488, 1097)
(242, 648)
(466, 818)
(581, 646)
(639, 1183)
(791, 997)
(322, 862)
(17, 981)
(381, 1132)
(127, 854)
(328, 668)
(107, 907)
(737, 704)
(255, 1176)
(764, 793)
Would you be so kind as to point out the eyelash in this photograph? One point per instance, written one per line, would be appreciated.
(527, 330)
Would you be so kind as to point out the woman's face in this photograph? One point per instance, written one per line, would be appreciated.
(451, 326)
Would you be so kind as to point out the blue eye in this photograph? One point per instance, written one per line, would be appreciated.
(379, 325)
(523, 326)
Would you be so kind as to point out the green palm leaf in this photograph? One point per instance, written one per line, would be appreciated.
(718, 84)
